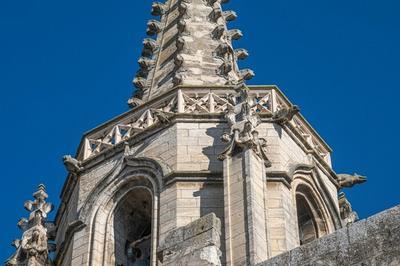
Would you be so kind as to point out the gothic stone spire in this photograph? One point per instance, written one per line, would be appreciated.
(193, 47)
(33, 248)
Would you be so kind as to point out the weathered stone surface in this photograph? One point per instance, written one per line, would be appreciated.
(196, 243)
(374, 241)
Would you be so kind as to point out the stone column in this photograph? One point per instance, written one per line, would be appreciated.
(245, 219)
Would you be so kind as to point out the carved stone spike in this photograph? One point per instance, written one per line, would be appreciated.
(149, 47)
(241, 54)
(222, 49)
(180, 43)
(225, 68)
(157, 9)
(218, 32)
(146, 63)
(235, 34)
(247, 74)
(153, 27)
(230, 15)
(182, 8)
(346, 180)
(178, 61)
(181, 25)
(139, 82)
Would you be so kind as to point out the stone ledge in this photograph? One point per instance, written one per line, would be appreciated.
(373, 241)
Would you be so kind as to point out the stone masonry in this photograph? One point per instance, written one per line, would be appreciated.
(373, 241)
(205, 170)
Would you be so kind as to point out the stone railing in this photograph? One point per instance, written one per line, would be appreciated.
(195, 101)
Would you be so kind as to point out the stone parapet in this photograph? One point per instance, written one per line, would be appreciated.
(373, 241)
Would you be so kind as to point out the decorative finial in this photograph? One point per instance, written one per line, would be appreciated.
(33, 248)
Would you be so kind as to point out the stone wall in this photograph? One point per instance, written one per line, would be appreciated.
(282, 219)
(373, 241)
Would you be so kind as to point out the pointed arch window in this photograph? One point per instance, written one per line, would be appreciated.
(133, 229)
(311, 223)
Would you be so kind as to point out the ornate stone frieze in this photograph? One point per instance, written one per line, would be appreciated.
(33, 248)
(266, 102)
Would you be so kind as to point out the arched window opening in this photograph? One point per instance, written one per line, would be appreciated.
(311, 222)
(307, 225)
(132, 229)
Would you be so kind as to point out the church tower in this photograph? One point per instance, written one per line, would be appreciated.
(202, 167)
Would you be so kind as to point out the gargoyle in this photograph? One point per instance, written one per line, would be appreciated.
(346, 180)
(162, 117)
(149, 46)
(285, 114)
(72, 165)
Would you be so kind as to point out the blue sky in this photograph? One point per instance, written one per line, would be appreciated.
(67, 66)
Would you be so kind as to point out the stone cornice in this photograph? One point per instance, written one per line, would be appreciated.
(193, 176)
